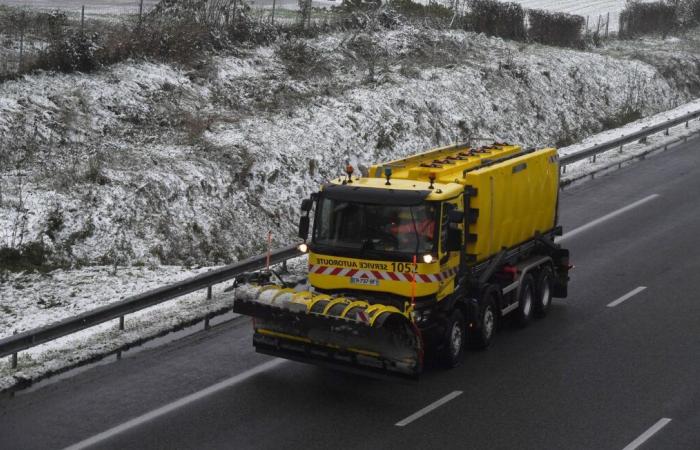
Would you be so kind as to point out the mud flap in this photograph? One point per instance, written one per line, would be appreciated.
(342, 333)
(561, 278)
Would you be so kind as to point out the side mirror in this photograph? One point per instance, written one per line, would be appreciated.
(454, 216)
(306, 204)
(304, 227)
(454, 240)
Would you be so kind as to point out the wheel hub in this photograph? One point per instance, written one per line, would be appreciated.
(488, 323)
(455, 339)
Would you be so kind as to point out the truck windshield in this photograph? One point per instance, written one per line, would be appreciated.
(350, 225)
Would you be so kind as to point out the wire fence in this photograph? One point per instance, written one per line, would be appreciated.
(28, 27)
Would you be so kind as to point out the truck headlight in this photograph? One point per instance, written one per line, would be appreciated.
(303, 248)
(428, 258)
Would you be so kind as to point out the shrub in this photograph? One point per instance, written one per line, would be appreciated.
(552, 28)
(687, 12)
(506, 20)
(28, 257)
(70, 52)
(439, 15)
(300, 59)
(647, 18)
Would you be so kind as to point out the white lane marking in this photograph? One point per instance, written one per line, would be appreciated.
(607, 217)
(176, 404)
(427, 409)
(627, 296)
(647, 434)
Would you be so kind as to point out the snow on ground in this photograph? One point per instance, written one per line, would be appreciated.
(148, 163)
(32, 300)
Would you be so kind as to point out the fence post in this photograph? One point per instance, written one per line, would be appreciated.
(21, 42)
(140, 11)
(274, 3)
(607, 25)
(82, 20)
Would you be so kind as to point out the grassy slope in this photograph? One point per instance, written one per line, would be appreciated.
(148, 163)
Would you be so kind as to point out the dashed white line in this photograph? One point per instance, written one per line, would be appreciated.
(427, 409)
(627, 296)
(607, 217)
(96, 439)
(647, 434)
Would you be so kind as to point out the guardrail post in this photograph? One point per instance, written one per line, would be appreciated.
(284, 266)
(14, 355)
(206, 322)
(121, 323)
(208, 292)
(668, 131)
(621, 145)
(687, 124)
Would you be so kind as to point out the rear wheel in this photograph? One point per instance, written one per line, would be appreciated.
(543, 291)
(480, 336)
(526, 296)
(453, 344)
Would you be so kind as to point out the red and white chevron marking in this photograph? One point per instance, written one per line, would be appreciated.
(380, 274)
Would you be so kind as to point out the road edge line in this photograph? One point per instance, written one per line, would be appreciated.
(184, 401)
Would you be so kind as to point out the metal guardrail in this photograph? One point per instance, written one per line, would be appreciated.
(22, 341)
(16, 343)
(595, 150)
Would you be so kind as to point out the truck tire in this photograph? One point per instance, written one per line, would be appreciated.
(543, 291)
(453, 344)
(526, 297)
(485, 327)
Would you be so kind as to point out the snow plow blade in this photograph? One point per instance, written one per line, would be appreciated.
(336, 332)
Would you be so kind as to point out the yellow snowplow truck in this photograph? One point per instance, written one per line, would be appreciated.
(422, 257)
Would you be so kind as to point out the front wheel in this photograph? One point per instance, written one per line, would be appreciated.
(453, 344)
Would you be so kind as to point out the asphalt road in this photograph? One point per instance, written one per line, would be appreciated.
(588, 376)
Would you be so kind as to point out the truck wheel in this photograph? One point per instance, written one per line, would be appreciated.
(480, 336)
(543, 291)
(525, 301)
(453, 344)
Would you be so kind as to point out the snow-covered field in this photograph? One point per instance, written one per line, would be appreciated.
(590, 9)
(91, 7)
(148, 163)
